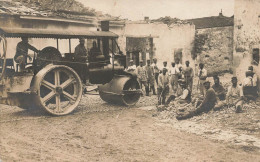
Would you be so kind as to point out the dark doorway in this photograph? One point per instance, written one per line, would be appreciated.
(178, 54)
(137, 48)
(136, 58)
(255, 56)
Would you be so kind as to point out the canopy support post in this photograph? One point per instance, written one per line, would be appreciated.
(113, 55)
(58, 44)
(70, 45)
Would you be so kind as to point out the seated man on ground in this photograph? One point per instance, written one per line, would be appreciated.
(22, 53)
(251, 68)
(248, 87)
(207, 104)
(250, 84)
(185, 97)
(235, 95)
(220, 92)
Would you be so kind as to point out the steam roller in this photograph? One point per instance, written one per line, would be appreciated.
(122, 89)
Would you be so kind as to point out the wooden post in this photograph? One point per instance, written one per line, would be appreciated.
(113, 55)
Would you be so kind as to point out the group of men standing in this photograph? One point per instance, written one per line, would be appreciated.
(146, 75)
(163, 77)
(179, 79)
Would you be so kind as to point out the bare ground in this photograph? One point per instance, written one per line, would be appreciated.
(97, 131)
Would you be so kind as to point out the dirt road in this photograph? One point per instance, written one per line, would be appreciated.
(113, 135)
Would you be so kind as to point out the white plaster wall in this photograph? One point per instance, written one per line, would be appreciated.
(246, 35)
(166, 39)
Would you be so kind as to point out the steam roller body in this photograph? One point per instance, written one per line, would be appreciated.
(122, 89)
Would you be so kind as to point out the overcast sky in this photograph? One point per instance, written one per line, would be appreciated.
(183, 9)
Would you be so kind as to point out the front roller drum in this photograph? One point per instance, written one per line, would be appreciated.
(59, 89)
(121, 90)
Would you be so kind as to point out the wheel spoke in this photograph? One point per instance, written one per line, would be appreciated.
(68, 96)
(48, 85)
(48, 97)
(58, 103)
(57, 77)
(67, 83)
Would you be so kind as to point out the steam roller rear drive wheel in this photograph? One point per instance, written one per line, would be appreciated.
(59, 89)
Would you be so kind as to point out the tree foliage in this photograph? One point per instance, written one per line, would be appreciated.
(199, 42)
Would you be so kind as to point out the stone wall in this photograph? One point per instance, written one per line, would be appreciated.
(217, 49)
(246, 35)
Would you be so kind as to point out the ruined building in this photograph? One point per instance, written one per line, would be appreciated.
(213, 44)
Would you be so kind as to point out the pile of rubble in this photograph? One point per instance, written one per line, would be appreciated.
(247, 122)
(171, 21)
(173, 109)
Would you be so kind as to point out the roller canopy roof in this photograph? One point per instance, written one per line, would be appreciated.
(54, 33)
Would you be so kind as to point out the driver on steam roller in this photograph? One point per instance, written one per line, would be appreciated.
(94, 52)
(81, 52)
(22, 53)
(81, 55)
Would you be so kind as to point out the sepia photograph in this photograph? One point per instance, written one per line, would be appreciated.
(129, 80)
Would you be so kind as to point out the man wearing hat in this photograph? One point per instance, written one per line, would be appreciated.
(142, 76)
(131, 68)
(22, 53)
(235, 95)
(206, 105)
(165, 66)
(150, 77)
(184, 97)
(80, 50)
(80, 55)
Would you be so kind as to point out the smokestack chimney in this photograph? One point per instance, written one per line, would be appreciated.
(220, 14)
(146, 18)
(105, 25)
